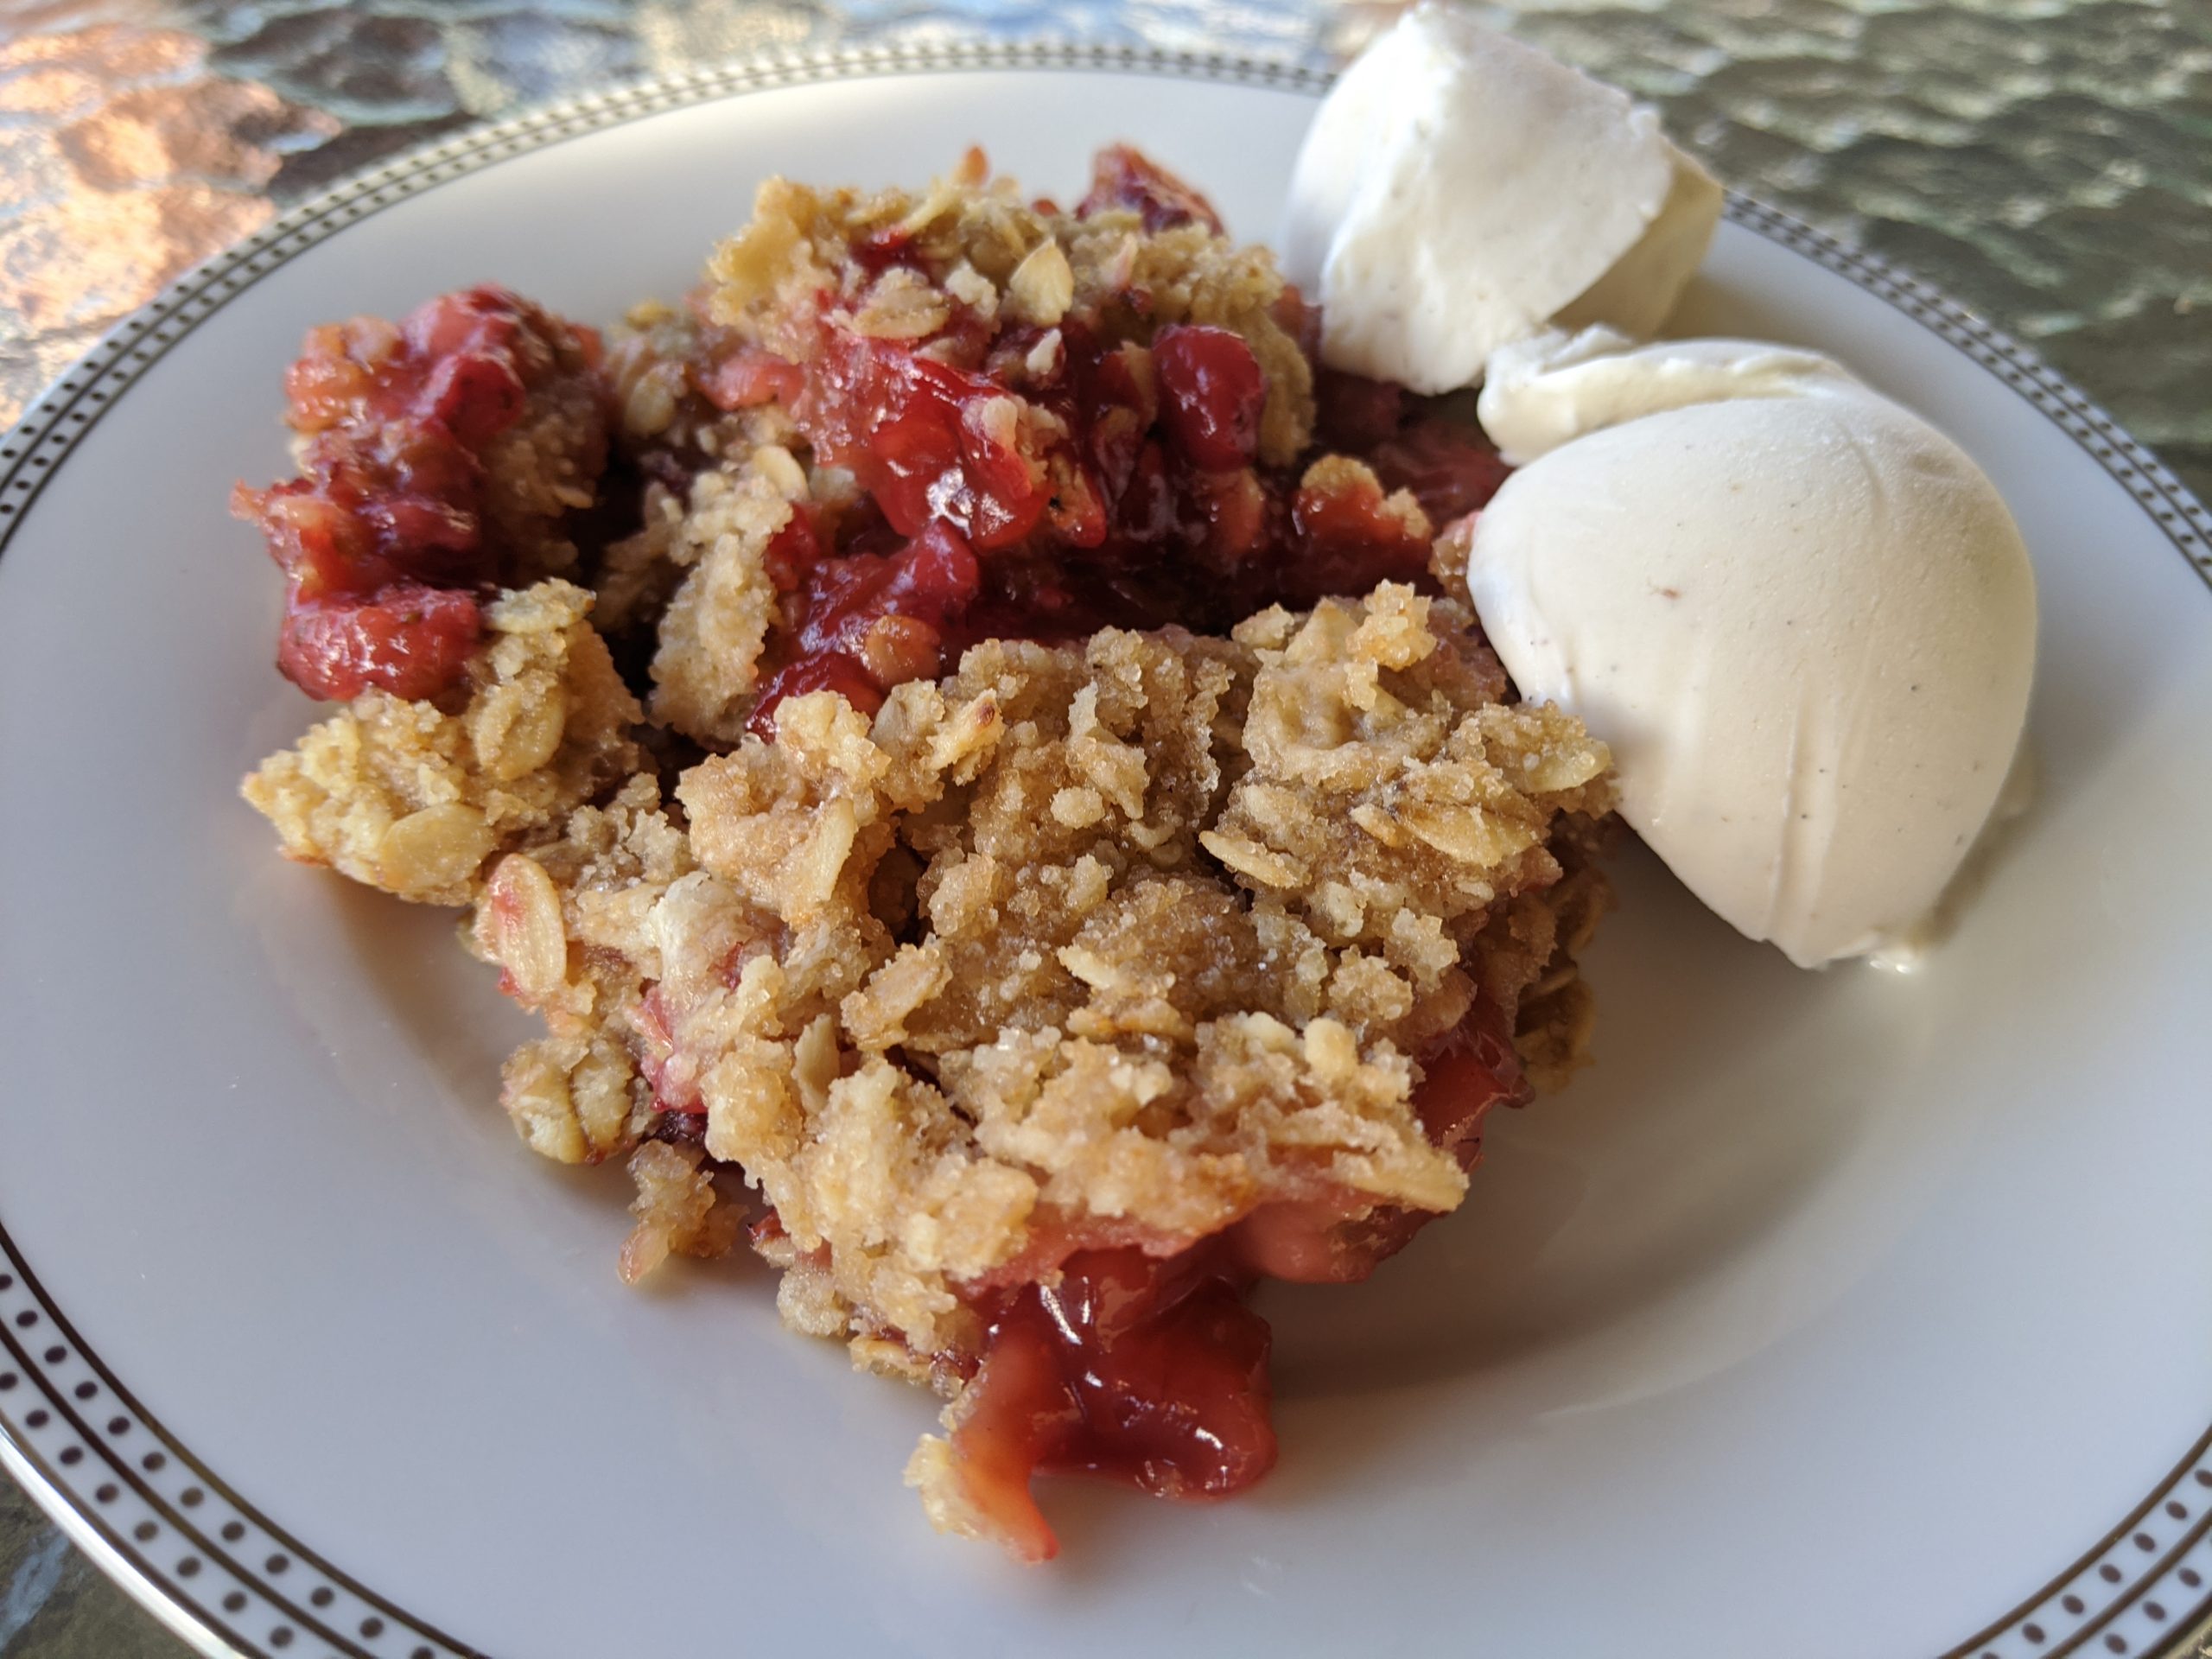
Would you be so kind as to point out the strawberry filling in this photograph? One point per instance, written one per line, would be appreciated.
(1124, 176)
(1046, 494)
(1149, 1368)
(382, 539)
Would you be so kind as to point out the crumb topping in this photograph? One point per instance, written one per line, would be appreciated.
(890, 779)
(1017, 966)
(413, 798)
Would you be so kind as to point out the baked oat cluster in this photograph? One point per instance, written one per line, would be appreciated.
(977, 774)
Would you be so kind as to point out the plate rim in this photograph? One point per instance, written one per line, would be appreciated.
(118, 1502)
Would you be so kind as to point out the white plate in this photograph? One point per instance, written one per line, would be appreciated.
(1831, 1314)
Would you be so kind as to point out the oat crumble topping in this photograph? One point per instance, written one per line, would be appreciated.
(959, 766)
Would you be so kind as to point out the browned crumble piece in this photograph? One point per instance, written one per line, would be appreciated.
(1124, 1016)
(1558, 1012)
(568, 923)
(544, 469)
(677, 1209)
(715, 626)
(415, 798)
(1391, 800)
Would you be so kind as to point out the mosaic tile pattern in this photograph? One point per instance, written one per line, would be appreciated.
(2047, 161)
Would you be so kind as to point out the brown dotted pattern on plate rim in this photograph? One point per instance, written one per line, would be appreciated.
(179, 1540)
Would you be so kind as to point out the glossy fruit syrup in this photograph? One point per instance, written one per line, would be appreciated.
(382, 538)
(1151, 1368)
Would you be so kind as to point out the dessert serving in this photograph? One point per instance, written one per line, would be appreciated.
(973, 732)
(958, 733)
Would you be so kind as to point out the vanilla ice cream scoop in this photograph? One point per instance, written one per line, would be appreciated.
(1458, 190)
(1800, 615)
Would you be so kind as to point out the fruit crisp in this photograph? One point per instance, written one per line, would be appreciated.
(972, 747)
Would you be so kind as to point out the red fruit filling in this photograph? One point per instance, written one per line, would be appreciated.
(1353, 414)
(382, 538)
(1210, 393)
(749, 377)
(1124, 176)
(1150, 1369)
(1450, 476)
(406, 638)
(1115, 486)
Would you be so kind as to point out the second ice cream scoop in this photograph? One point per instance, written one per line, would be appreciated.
(1801, 617)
